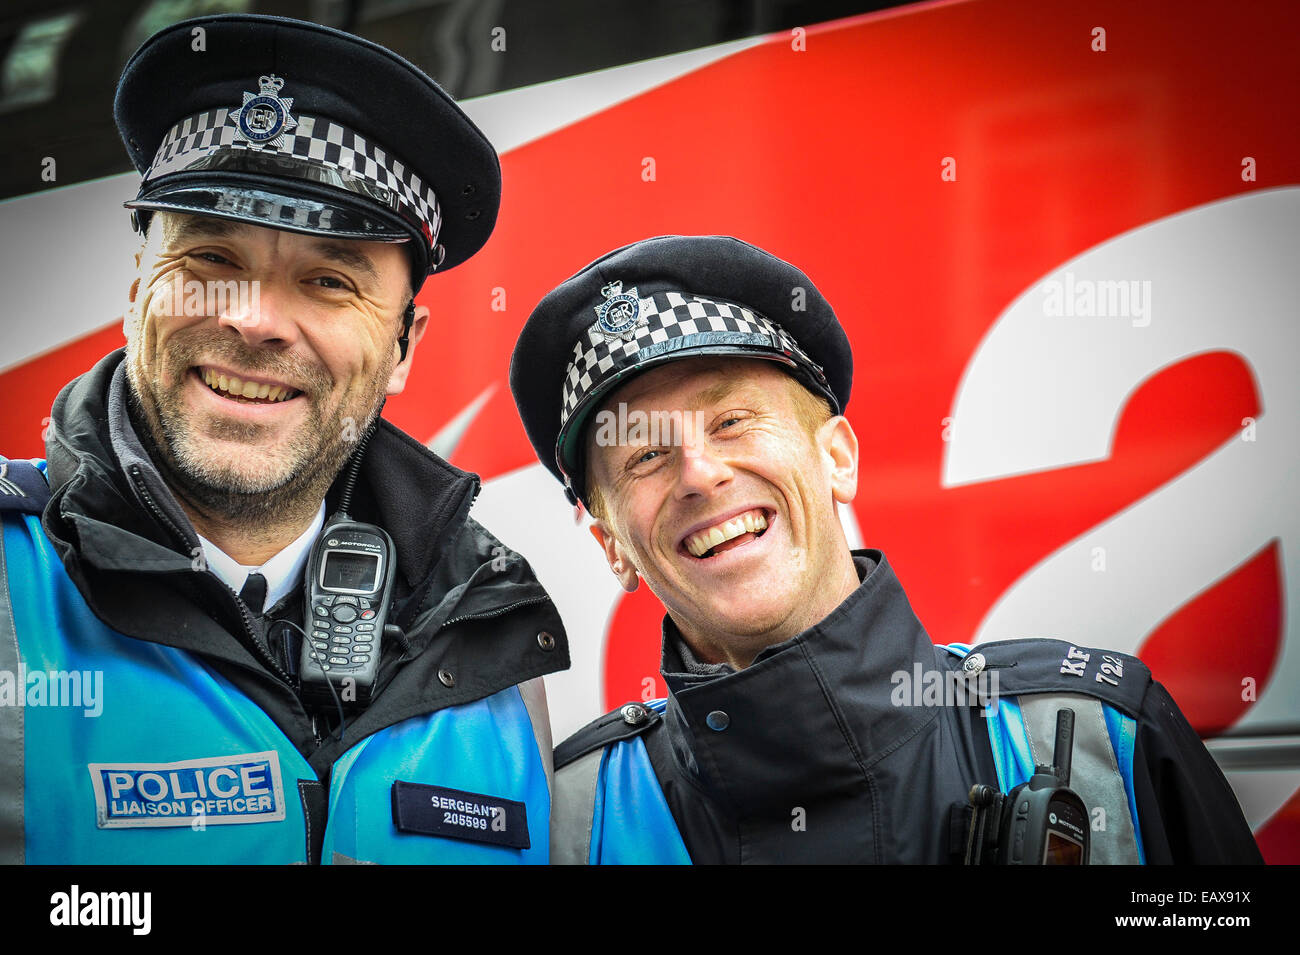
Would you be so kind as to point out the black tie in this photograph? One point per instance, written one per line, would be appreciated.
(254, 593)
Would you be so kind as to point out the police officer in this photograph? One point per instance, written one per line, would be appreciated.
(673, 389)
(298, 185)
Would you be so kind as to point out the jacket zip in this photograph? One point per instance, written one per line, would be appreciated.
(527, 602)
(246, 618)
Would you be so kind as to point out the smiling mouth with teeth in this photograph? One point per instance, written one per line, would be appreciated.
(252, 392)
(725, 535)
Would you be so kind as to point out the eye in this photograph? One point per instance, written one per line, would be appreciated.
(212, 257)
(644, 460)
(331, 282)
(729, 420)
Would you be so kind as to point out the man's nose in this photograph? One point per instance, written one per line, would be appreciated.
(262, 312)
(701, 470)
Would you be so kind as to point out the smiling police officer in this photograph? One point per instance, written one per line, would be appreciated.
(296, 667)
(787, 735)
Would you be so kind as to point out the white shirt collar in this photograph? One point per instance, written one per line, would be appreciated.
(283, 572)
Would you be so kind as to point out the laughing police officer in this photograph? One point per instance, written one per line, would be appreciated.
(672, 389)
(310, 180)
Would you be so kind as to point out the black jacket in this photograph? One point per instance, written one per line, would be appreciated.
(811, 732)
(469, 606)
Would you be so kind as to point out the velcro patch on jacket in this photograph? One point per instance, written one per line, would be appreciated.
(212, 791)
(22, 487)
(436, 811)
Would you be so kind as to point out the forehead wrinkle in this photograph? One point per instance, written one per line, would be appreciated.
(714, 393)
(188, 228)
(711, 394)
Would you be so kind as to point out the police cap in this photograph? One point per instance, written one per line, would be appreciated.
(297, 126)
(656, 301)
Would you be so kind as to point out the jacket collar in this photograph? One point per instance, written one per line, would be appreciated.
(810, 714)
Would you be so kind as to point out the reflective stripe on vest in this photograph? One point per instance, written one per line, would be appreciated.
(1022, 731)
(12, 841)
(575, 807)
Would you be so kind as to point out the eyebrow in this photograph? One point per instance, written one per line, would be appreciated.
(203, 227)
(207, 227)
(348, 256)
(715, 393)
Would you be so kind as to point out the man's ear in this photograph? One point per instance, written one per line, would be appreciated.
(397, 380)
(132, 297)
(617, 557)
(136, 258)
(839, 446)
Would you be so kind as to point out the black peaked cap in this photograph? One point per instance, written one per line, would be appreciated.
(353, 85)
(695, 296)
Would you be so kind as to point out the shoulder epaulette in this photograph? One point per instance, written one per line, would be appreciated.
(1040, 665)
(627, 721)
(22, 487)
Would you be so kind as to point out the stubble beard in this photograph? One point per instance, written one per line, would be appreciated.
(266, 487)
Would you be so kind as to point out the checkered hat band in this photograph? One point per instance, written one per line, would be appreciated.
(315, 150)
(669, 321)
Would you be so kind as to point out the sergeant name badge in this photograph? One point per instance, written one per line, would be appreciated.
(435, 811)
(218, 790)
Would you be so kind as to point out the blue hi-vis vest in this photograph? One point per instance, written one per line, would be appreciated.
(116, 750)
(632, 824)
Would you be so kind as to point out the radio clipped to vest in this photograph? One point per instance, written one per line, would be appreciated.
(349, 587)
(1040, 822)
(349, 591)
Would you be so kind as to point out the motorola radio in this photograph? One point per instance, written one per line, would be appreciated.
(1040, 822)
(349, 587)
(349, 591)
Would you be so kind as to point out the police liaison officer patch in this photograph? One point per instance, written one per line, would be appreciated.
(220, 790)
(437, 811)
(264, 116)
(620, 314)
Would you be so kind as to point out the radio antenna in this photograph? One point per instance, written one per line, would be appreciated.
(1064, 745)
